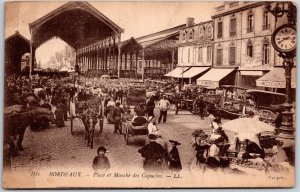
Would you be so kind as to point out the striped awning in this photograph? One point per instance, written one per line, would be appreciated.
(213, 77)
(193, 71)
(276, 79)
(176, 73)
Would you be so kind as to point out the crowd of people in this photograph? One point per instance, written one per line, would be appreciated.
(57, 93)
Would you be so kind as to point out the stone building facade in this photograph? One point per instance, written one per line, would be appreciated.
(242, 40)
(195, 48)
(195, 44)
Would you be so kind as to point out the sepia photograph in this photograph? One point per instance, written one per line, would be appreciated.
(164, 94)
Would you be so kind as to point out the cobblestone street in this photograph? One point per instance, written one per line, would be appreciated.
(56, 147)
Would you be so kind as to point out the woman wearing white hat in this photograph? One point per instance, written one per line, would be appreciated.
(152, 129)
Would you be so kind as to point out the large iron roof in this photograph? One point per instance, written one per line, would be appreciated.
(77, 23)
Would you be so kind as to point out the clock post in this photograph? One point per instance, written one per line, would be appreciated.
(284, 41)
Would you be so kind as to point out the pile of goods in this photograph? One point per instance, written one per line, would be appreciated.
(136, 95)
(258, 163)
(266, 116)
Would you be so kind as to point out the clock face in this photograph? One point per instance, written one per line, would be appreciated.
(285, 39)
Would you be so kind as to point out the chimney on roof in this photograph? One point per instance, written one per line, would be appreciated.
(189, 21)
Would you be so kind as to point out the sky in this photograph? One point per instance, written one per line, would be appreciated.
(136, 18)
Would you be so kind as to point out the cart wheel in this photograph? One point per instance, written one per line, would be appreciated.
(72, 118)
(237, 145)
(101, 125)
(197, 110)
(92, 139)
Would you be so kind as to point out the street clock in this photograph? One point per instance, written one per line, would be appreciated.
(284, 38)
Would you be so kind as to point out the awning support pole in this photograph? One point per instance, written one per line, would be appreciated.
(143, 62)
(119, 55)
(31, 59)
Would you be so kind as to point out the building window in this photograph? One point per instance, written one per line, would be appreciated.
(191, 35)
(220, 29)
(250, 50)
(199, 54)
(266, 23)
(266, 54)
(183, 37)
(189, 54)
(201, 32)
(181, 54)
(208, 54)
(219, 57)
(232, 56)
(209, 32)
(232, 27)
(250, 22)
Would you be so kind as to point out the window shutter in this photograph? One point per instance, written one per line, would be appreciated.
(232, 56)
(220, 30)
(219, 57)
(233, 27)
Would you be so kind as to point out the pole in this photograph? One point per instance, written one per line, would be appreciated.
(143, 63)
(119, 56)
(287, 130)
(182, 76)
(31, 60)
(288, 74)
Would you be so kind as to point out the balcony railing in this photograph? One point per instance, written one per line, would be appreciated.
(250, 29)
(232, 33)
(231, 63)
(267, 26)
(221, 8)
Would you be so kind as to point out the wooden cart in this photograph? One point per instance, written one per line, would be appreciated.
(129, 130)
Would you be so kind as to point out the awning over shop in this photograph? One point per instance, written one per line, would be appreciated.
(276, 79)
(193, 71)
(213, 77)
(176, 72)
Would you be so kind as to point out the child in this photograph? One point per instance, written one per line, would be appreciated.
(101, 162)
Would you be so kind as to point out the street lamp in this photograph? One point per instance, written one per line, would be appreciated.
(279, 10)
(286, 33)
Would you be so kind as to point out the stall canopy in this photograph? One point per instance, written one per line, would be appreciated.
(213, 77)
(177, 72)
(194, 71)
(276, 79)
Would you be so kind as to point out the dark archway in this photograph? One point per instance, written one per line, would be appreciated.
(77, 23)
(15, 47)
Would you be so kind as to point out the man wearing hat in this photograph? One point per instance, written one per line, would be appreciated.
(174, 158)
(153, 154)
(150, 105)
(47, 105)
(101, 162)
(164, 105)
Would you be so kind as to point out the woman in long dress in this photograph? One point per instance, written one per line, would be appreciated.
(174, 158)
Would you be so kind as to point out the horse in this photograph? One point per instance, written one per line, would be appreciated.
(90, 121)
(15, 125)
